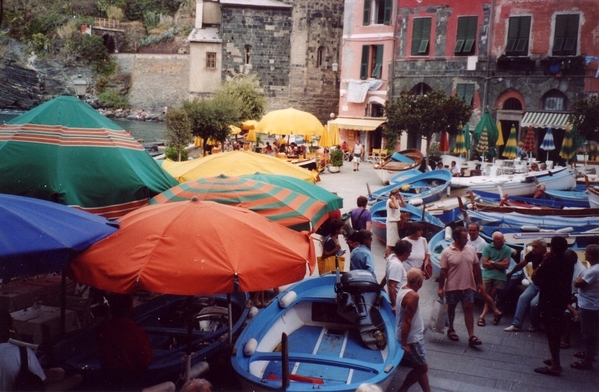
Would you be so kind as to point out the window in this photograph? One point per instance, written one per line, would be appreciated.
(247, 54)
(554, 101)
(466, 37)
(372, 62)
(377, 12)
(421, 35)
(466, 92)
(518, 35)
(211, 60)
(320, 57)
(421, 89)
(512, 104)
(566, 35)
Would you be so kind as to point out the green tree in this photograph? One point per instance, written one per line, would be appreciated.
(424, 116)
(247, 89)
(178, 130)
(586, 117)
(211, 117)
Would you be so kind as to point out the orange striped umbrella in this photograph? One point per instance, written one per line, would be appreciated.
(289, 208)
(529, 140)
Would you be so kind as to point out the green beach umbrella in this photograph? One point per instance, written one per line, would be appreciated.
(486, 122)
(511, 147)
(568, 151)
(460, 145)
(67, 152)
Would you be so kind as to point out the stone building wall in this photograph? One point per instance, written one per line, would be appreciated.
(267, 32)
(156, 80)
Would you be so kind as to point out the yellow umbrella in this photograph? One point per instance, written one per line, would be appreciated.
(499, 141)
(252, 136)
(325, 139)
(334, 134)
(234, 163)
(234, 130)
(290, 122)
(197, 141)
(248, 124)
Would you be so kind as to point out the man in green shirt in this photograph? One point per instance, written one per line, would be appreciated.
(496, 259)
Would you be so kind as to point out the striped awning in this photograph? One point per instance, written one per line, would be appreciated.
(358, 124)
(545, 120)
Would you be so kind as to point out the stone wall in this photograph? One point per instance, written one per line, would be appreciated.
(156, 80)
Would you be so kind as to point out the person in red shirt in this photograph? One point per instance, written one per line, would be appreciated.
(124, 347)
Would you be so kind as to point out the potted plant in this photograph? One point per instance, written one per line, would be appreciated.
(336, 160)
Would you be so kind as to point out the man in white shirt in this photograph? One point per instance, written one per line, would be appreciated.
(358, 155)
(395, 273)
(475, 240)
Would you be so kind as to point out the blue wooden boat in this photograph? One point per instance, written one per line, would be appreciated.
(549, 199)
(379, 220)
(165, 320)
(309, 338)
(512, 222)
(428, 186)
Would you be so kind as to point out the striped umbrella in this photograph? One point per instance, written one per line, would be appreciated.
(460, 145)
(333, 201)
(511, 148)
(289, 208)
(529, 141)
(467, 137)
(548, 144)
(567, 151)
(483, 143)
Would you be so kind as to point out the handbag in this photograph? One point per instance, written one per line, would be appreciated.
(26, 380)
(426, 269)
(438, 316)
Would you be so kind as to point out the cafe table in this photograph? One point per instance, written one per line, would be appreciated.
(30, 323)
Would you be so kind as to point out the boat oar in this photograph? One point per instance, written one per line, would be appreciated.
(285, 361)
(463, 209)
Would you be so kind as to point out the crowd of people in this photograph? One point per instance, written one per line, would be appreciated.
(561, 289)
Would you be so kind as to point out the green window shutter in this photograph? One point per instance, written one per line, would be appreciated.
(388, 12)
(426, 34)
(512, 36)
(471, 30)
(378, 65)
(469, 94)
(364, 63)
(460, 90)
(366, 20)
(560, 33)
(459, 44)
(523, 36)
(416, 35)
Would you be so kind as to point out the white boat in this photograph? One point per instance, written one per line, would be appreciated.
(525, 184)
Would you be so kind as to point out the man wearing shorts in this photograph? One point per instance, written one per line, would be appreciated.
(358, 155)
(496, 259)
(460, 275)
(410, 331)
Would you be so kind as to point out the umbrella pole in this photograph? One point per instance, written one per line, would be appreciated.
(63, 301)
(230, 320)
(189, 338)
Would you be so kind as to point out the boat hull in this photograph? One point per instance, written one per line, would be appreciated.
(379, 220)
(388, 168)
(325, 352)
(428, 187)
(164, 320)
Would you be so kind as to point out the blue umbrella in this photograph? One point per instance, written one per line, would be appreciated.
(39, 236)
(548, 144)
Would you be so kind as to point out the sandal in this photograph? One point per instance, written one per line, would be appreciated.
(546, 371)
(581, 365)
(497, 318)
(452, 335)
(474, 341)
(481, 322)
(582, 355)
(564, 345)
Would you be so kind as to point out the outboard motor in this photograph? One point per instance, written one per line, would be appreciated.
(358, 301)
